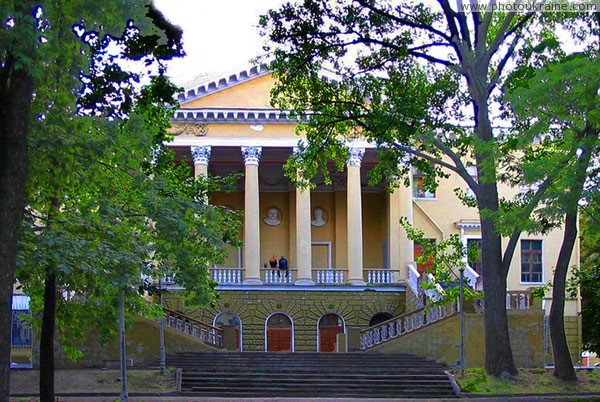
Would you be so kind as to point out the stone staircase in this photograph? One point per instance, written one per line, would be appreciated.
(311, 375)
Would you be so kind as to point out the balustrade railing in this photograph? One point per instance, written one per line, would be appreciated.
(381, 276)
(198, 329)
(330, 276)
(277, 276)
(404, 324)
(437, 291)
(227, 276)
(413, 278)
(518, 300)
(472, 277)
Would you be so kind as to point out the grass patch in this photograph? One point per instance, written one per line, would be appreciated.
(537, 380)
(95, 380)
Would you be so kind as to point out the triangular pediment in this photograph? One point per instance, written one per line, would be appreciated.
(246, 89)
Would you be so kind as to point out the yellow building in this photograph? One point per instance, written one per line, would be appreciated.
(351, 266)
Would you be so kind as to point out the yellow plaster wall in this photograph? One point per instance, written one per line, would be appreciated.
(292, 229)
(341, 231)
(274, 239)
(234, 200)
(374, 228)
(325, 233)
(254, 93)
(447, 209)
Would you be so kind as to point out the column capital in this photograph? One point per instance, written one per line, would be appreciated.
(356, 156)
(251, 155)
(201, 155)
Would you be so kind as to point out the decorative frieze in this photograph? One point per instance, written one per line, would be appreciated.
(195, 129)
(251, 155)
(201, 155)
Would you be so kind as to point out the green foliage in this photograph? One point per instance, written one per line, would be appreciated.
(589, 276)
(104, 198)
(476, 377)
(447, 256)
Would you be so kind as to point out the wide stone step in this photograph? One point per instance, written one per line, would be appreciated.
(321, 393)
(311, 375)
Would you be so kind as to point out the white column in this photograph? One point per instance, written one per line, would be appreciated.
(251, 216)
(395, 231)
(405, 203)
(201, 155)
(354, 216)
(303, 236)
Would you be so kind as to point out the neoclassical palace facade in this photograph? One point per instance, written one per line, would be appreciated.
(350, 264)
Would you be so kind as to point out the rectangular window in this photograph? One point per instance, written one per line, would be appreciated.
(475, 261)
(418, 188)
(531, 261)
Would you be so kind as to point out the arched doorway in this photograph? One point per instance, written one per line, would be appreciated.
(379, 318)
(279, 333)
(329, 326)
(228, 321)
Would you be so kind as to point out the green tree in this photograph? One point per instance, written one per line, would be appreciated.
(589, 276)
(560, 102)
(41, 63)
(405, 77)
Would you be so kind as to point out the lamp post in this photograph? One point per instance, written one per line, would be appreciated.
(461, 306)
(122, 358)
(161, 330)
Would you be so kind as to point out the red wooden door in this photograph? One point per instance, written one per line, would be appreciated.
(279, 333)
(329, 326)
(279, 339)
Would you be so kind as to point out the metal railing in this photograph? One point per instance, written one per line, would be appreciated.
(190, 326)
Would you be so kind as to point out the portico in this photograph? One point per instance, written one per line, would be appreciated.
(354, 242)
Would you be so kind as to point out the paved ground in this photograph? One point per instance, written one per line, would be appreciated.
(187, 398)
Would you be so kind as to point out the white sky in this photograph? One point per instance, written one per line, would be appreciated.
(218, 35)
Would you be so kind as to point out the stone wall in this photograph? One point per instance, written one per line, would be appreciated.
(573, 332)
(439, 341)
(142, 347)
(304, 307)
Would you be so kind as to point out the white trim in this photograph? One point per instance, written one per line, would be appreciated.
(319, 333)
(468, 224)
(265, 142)
(329, 248)
(241, 345)
(292, 340)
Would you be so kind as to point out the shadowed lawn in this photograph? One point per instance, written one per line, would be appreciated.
(94, 380)
(538, 380)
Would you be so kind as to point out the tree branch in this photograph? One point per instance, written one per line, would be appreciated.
(405, 21)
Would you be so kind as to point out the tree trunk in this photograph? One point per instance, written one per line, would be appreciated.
(47, 338)
(563, 366)
(499, 360)
(16, 93)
